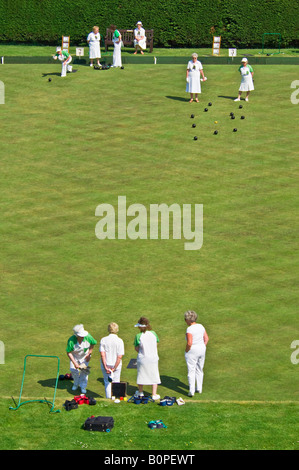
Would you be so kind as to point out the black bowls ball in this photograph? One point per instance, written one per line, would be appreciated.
(210, 104)
(242, 117)
(235, 129)
(241, 106)
(195, 138)
(193, 125)
(215, 132)
(192, 116)
(232, 116)
(206, 109)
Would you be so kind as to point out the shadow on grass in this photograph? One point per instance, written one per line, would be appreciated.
(227, 97)
(174, 384)
(67, 386)
(57, 74)
(177, 98)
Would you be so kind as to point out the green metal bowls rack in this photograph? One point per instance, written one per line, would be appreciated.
(20, 403)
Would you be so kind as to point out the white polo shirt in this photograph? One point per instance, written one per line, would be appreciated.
(113, 346)
(197, 331)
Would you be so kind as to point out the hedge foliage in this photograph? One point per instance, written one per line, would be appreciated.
(176, 23)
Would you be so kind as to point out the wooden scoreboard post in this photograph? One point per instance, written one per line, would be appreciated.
(216, 45)
(65, 43)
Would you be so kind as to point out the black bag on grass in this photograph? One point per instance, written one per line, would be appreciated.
(99, 423)
(70, 405)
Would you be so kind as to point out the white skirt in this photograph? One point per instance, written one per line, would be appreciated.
(246, 83)
(94, 51)
(193, 86)
(117, 55)
(141, 43)
(147, 373)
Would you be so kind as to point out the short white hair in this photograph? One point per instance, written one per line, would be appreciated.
(190, 315)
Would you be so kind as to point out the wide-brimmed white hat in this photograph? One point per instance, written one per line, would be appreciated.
(58, 49)
(138, 22)
(244, 59)
(138, 325)
(80, 331)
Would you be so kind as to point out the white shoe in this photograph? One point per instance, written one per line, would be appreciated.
(138, 394)
(246, 99)
(237, 99)
(180, 401)
(156, 397)
(190, 394)
(83, 390)
(74, 387)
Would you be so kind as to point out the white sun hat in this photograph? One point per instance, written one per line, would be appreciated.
(80, 331)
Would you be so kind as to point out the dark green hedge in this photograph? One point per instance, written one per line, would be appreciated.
(176, 23)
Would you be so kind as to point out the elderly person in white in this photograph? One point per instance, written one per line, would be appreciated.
(66, 58)
(93, 40)
(79, 349)
(111, 350)
(117, 41)
(147, 358)
(246, 72)
(139, 38)
(195, 352)
(194, 71)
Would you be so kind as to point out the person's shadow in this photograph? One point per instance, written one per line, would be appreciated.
(174, 384)
(177, 98)
(169, 382)
(51, 73)
(227, 97)
(65, 385)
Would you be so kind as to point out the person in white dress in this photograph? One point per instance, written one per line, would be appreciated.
(79, 349)
(194, 71)
(111, 350)
(93, 41)
(117, 41)
(195, 352)
(145, 343)
(139, 38)
(247, 85)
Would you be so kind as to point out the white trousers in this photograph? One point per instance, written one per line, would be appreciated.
(195, 359)
(117, 55)
(116, 378)
(80, 376)
(66, 67)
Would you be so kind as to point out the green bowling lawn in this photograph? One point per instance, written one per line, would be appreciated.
(69, 145)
